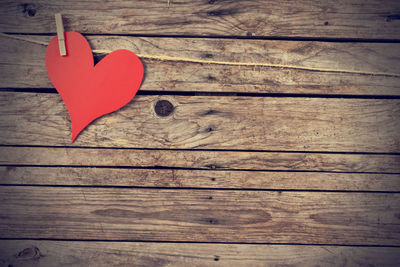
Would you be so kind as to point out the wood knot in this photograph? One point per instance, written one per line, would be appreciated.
(163, 108)
(11, 168)
(32, 253)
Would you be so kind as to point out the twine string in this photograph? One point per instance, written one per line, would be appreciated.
(229, 63)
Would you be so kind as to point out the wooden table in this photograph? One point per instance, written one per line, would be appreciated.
(211, 164)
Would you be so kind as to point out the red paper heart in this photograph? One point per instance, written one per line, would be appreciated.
(90, 91)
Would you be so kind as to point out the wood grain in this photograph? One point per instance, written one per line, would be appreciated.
(199, 174)
(306, 18)
(209, 160)
(22, 65)
(61, 253)
(199, 179)
(212, 122)
(199, 215)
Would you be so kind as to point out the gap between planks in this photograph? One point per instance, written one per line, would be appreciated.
(208, 93)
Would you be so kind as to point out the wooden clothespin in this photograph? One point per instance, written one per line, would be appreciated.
(60, 34)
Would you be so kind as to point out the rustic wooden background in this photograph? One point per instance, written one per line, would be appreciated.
(241, 165)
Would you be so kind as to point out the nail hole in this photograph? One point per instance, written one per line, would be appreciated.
(326, 23)
(29, 9)
(210, 197)
(212, 221)
(213, 179)
(211, 78)
(163, 108)
(211, 166)
(216, 258)
(214, 13)
(31, 12)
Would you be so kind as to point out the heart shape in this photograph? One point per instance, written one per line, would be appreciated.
(89, 91)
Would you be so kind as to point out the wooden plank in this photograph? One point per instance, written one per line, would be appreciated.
(22, 65)
(306, 18)
(209, 160)
(199, 215)
(211, 122)
(199, 179)
(61, 253)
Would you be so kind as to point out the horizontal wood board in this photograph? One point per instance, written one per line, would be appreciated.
(199, 215)
(305, 18)
(67, 253)
(211, 122)
(22, 65)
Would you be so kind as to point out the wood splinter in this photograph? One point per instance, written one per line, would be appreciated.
(60, 34)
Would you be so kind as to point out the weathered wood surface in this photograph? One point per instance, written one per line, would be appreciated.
(199, 179)
(191, 186)
(306, 18)
(22, 65)
(211, 122)
(197, 159)
(199, 215)
(61, 253)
